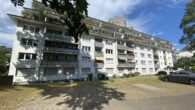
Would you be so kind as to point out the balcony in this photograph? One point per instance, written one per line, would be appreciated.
(59, 64)
(126, 65)
(55, 37)
(60, 50)
(122, 47)
(122, 56)
(98, 44)
(130, 48)
(99, 54)
(156, 59)
(99, 65)
(157, 65)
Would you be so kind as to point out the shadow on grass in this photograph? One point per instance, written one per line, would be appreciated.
(81, 95)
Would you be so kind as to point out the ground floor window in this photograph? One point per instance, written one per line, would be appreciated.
(143, 70)
(109, 70)
(120, 70)
(151, 70)
(68, 71)
(25, 72)
(50, 71)
(86, 70)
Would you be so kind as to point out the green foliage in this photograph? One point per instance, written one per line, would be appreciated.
(188, 25)
(3, 60)
(131, 75)
(193, 68)
(73, 13)
(184, 63)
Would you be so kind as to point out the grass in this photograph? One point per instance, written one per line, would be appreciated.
(14, 96)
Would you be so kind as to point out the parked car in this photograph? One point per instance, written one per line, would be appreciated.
(186, 77)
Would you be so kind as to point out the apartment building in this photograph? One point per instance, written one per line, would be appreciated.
(42, 51)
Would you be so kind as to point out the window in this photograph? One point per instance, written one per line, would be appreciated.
(149, 56)
(150, 62)
(86, 49)
(86, 70)
(136, 69)
(109, 70)
(143, 70)
(136, 62)
(142, 55)
(109, 60)
(109, 51)
(143, 62)
(69, 71)
(86, 59)
(86, 39)
(25, 72)
(50, 71)
(109, 42)
(27, 56)
(29, 42)
(151, 70)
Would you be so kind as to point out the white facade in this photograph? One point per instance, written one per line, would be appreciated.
(44, 56)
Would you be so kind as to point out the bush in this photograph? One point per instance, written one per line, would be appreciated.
(193, 68)
(90, 77)
(102, 76)
(131, 75)
(161, 73)
(126, 75)
(114, 76)
(135, 74)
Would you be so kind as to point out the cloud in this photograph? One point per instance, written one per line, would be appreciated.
(7, 26)
(105, 9)
(7, 39)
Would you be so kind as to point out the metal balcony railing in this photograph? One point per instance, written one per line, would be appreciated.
(123, 47)
(98, 44)
(59, 64)
(99, 65)
(126, 65)
(54, 37)
(99, 54)
(60, 50)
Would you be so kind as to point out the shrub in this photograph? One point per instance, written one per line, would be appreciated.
(193, 68)
(131, 75)
(114, 76)
(135, 74)
(102, 76)
(161, 73)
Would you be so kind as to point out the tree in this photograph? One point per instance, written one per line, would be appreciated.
(188, 25)
(74, 12)
(3, 60)
(184, 63)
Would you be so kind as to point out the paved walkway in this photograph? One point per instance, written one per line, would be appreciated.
(99, 97)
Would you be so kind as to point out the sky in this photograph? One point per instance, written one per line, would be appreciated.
(160, 18)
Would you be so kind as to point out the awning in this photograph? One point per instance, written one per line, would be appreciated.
(99, 58)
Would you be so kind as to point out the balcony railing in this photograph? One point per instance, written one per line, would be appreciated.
(53, 37)
(126, 65)
(123, 47)
(99, 65)
(156, 59)
(60, 50)
(98, 44)
(59, 64)
(130, 48)
(99, 54)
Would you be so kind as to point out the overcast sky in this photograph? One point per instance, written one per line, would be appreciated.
(160, 18)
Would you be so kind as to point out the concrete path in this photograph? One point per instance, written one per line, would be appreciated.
(123, 97)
